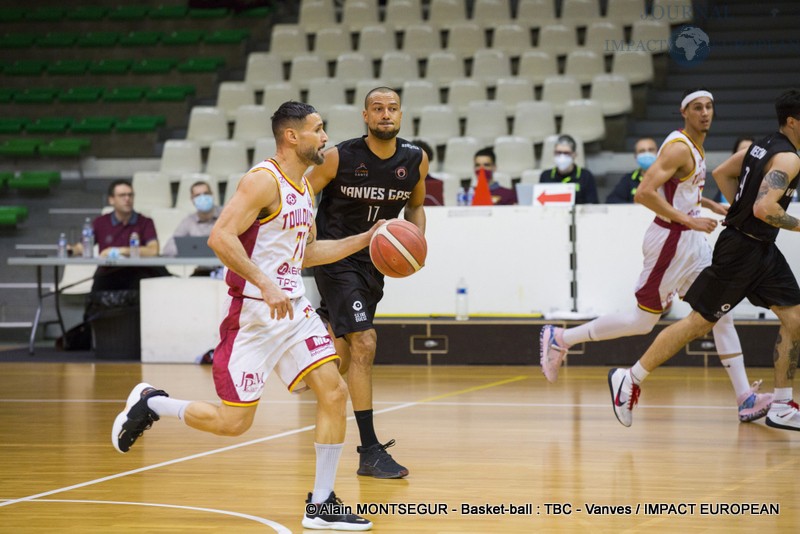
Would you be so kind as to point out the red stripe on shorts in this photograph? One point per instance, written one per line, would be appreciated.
(222, 354)
(649, 296)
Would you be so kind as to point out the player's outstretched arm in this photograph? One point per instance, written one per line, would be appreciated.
(780, 172)
(726, 175)
(331, 250)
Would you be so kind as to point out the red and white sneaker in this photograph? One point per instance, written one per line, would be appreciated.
(624, 394)
(784, 414)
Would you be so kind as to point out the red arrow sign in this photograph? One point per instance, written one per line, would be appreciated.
(544, 198)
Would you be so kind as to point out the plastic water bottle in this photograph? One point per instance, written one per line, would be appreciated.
(87, 239)
(462, 303)
(133, 245)
(461, 198)
(62, 245)
(470, 196)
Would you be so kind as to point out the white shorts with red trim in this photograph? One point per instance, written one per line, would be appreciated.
(252, 344)
(673, 258)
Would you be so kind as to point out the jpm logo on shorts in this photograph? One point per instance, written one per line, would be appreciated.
(250, 382)
(317, 344)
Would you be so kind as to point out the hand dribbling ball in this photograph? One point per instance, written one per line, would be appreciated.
(398, 248)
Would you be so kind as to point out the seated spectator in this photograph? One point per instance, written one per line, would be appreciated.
(644, 151)
(740, 144)
(567, 171)
(197, 224)
(434, 188)
(486, 160)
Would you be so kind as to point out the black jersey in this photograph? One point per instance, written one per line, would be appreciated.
(740, 215)
(366, 189)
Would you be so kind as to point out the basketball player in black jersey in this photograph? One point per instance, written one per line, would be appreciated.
(746, 264)
(363, 180)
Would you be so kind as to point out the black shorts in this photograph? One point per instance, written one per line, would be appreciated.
(743, 267)
(350, 291)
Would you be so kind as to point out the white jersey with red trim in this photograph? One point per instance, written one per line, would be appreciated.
(276, 242)
(684, 192)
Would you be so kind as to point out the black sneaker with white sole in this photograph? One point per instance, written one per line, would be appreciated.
(135, 418)
(374, 461)
(333, 514)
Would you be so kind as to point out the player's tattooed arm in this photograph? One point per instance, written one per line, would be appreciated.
(773, 186)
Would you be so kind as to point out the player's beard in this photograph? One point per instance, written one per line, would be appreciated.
(384, 135)
(313, 156)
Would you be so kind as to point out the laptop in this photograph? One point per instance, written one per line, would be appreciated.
(193, 247)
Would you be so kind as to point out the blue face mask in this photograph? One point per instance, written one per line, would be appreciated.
(204, 203)
(645, 159)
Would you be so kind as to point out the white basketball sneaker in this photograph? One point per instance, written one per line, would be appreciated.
(784, 414)
(624, 394)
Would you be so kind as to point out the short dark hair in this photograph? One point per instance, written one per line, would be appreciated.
(288, 115)
(114, 185)
(565, 139)
(424, 146)
(488, 152)
(739, 140)
(201, 182)
(788, 105)
(381, 89)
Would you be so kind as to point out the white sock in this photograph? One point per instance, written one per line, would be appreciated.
(327, 463)
(634, 322)
(638, 373)
(737, 373)
(168, 406)
(783, 395)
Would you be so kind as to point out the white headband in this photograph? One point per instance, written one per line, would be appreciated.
(692, 96)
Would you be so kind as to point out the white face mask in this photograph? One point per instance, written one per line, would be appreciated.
(563, 162)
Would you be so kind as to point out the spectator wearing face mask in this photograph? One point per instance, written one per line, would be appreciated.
(567, 171)
(645, 151)
(197, 224)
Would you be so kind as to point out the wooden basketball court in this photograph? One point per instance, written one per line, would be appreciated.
(472, 436)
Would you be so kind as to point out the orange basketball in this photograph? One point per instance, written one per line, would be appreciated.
(398, 248)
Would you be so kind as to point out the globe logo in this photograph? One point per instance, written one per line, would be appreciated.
(689, 46)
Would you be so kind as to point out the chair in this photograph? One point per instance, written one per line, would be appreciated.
(514, 155)
(650, 35)
(356, 15)
(77, 279)
(287, 41)
(442, 12)
(315, 16)
(437, 124)
(488, 65)
(231, 184)
(305, 68)
(613, 93)
(344, 122)
(363, 87)
(416, 95)
(459, 153)
(534, 121)
(397, 67)
(463, 91)
(557, 39)
(636, 65)
(536, 66)
(548, 147)
(511, 91)
(512, 39)
(264, 148)
(625, 12)
(443, 67)
(252, 122)
(374, 41)
(276, 94)
(401, 14)
(536, 10)
(465, 38)
(207, 124)
(179, 157)
(675, 11)
(584, 118)
(602, 37)
(579, 12)
(330, 42)
(324, 93)
(420, 40)
(583, 65)
(153, 190)
(226, 157)
(491, 13)
(558, 90)
(231, 95)
(183, 201)
(486, 120)
(351, 67)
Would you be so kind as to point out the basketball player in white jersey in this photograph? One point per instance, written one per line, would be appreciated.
(265, 236)
(675, 251)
